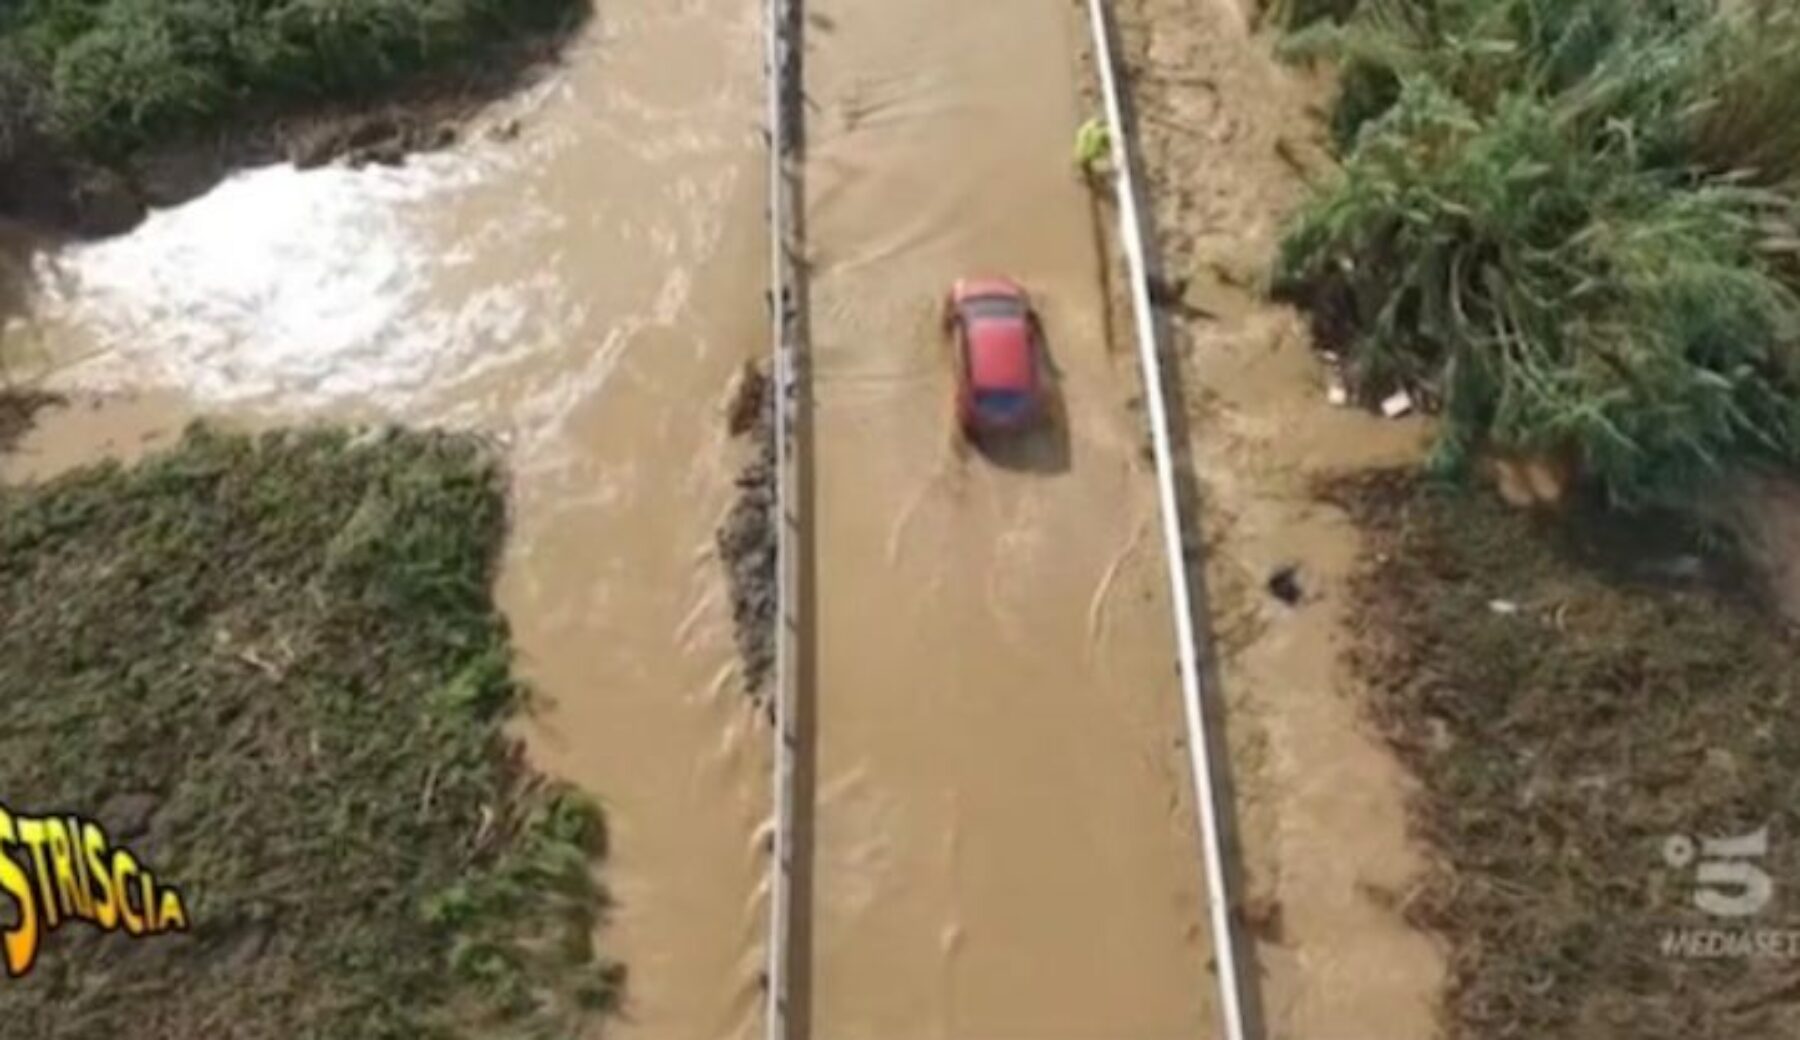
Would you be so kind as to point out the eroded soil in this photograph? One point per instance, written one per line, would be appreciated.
(1587, 701)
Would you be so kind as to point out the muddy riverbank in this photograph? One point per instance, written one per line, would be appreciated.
(1227, 136)
(109, 112)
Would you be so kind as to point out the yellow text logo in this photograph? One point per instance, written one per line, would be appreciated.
(57, 869)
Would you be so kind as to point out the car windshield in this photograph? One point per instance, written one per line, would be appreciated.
(1002, 404)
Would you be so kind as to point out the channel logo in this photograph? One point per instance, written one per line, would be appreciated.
(58, 869)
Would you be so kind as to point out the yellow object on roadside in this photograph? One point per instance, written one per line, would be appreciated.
(1093, 145)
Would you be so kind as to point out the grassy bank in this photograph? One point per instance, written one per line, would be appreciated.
(1570, 225)
(98, 82)
(272, 666)
(1571, 697)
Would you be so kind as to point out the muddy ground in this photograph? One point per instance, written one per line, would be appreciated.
(1228, 139)
(1582, 699)
(273, 668)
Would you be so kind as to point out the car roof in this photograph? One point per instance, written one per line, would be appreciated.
(1000, 353)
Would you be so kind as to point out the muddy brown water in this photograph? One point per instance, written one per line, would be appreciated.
(1005, 847)
(583, 293)
(1004, 837)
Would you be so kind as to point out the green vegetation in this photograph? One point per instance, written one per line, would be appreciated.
(1571, 696)
(1297, 14)
(1571, 224)
(106, 76)
(1093, 145)
(1573, 227)
(272, 666)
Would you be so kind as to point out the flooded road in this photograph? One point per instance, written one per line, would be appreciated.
(1004, 846)
(583, 293)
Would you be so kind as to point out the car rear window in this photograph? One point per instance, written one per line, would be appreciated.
(1002, 404)
(992, 307)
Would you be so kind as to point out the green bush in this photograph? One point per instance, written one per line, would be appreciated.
(1745, 87)
(1566, 223)
(144, 67)
(1298, 13)
(18, 105)
(118, 73)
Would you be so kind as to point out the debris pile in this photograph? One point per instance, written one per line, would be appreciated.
(747, 537)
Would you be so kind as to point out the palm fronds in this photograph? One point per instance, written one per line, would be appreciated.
(1566, 225)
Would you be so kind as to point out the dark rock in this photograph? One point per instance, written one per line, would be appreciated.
(106, 203)
(1167, 292)
(747, 393)
(18, 410)
(367, 133)
(313, 148)
(185, 171)
(1264, 917)
(1284, 585)
(387, 153)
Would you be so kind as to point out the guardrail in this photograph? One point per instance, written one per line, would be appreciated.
(1207, 797)
(782, 42)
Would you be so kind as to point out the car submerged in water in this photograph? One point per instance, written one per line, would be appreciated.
(999, 357)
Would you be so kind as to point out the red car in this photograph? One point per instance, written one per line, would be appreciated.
(999, 356)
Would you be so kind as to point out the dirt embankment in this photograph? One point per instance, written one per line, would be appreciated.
(1228, 138)
(60, 192)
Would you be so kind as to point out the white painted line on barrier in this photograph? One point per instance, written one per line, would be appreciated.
(784, 387)
(1206, 793)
